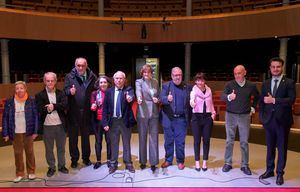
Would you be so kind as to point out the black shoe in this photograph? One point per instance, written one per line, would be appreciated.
(97, 165)
(108, 163)
(74, 164)
(226, 168)
(142, 166)
(153, 168)
(50, 172)
(63, 170)
(266, 175)
(87, 162)
(204, 169)
(112, 169)
(279, 180)
(198, 169)
(130, 168)
(246, 170)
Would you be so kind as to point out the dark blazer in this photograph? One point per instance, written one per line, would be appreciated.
(284, 99)
(168, 108)
(108, 107)
(42, 99)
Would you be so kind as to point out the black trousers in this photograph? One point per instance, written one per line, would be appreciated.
(81, 124)
(276, 136)
(99, 133)
(201, 127)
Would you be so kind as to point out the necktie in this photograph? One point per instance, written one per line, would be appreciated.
(118, 104)
(83, 78)
(275, 87)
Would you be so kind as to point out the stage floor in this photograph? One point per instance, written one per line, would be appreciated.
(171, 177)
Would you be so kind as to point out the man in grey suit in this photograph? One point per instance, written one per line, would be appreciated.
(147, 92)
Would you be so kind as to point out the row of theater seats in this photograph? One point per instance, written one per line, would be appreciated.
(78, 7)
(220, 107)
(143, 8)
(201, 7)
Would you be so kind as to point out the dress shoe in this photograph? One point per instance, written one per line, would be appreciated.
(74, 164)
(108, 163)
(180, 166)
(153, 168)
(18, 179)
(64, 170)
(279, 180)
(266, 175)
(31, 176)
(165, 164)
(97, 165)
(87, 162)
(142, 166)
(198, 169)
(50, 172)
(112, 169)
(130, 168)
(246, 170)
(226, 168)
(204, 169)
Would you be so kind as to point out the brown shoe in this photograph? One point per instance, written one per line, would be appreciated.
(165, 164)
(180, 166)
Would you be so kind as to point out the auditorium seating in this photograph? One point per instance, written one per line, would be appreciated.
(143, 8)
(201, 7)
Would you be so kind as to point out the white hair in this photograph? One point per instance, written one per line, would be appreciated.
(121, 73)
(50, 73)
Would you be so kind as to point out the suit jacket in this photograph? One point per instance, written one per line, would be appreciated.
(284, 99)
(147, 109)
(108, 107)
(61, 104)
(168, 107)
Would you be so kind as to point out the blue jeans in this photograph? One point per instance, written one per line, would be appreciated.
(175, 133)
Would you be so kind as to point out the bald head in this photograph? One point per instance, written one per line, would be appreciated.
(239, 73)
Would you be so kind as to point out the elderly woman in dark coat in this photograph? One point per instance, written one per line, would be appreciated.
(20, 125)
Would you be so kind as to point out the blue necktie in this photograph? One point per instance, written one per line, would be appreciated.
(275, 87)
(118, 104)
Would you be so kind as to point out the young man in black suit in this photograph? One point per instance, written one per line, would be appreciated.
(277, 97)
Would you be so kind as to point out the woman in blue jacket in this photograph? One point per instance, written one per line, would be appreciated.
(20, 125)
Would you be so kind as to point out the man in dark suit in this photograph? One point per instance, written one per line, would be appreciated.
(175, 97)
(118, 119)
(277, 97)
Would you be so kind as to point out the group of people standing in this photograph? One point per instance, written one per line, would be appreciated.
(176, 106)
